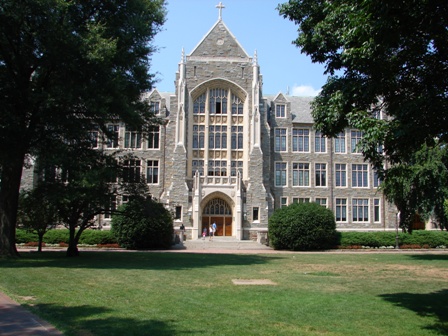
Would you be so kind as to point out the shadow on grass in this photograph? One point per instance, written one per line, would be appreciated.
(430, 257)
(88, 320)
(135, 260)
(433, 304)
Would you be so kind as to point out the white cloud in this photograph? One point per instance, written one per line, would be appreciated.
(304, 91)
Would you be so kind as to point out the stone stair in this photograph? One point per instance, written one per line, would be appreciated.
(221, 243)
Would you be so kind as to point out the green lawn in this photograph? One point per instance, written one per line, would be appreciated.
(116, 293)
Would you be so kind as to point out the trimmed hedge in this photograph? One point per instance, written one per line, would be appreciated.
(57, 236)
(418, 239)
(301, 227)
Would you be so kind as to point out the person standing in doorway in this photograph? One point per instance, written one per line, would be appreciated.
(214, 228)
(210, 230)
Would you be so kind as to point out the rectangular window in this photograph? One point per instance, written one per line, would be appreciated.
(110, 207)
(178, 213)
(321, 174)
(217, 168)
(320, 143)
(255, 213)
(360, 176)
(93, 136)
(152, 172)
(300, 174)
(339, 143)
(340, 172)
(132, 139)
(198, 166)
(237, 137)
(341, 209)
(236, 166)
(218, 137)
(280, 111)
(321, 201)
(376, 179)
(300, 140)
(154, 137)
(284, 202)
(154, 107)
(280, 174)
(376, 209)
(360, 209)
(198, 136)
(356, 137)
(280, 139)
(301, 200)
(112, 141)
(131, 171)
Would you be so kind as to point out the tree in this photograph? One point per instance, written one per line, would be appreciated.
(36, 213)
(302, 226)
(419, 186)
(65, 67)
(143, 224)
(381, 56)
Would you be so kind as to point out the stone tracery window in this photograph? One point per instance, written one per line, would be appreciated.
(199, 104)
(218, 101)
(217, 206)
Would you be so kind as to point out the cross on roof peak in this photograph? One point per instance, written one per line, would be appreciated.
(220, 6)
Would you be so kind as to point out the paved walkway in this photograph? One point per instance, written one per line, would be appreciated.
(17, 321)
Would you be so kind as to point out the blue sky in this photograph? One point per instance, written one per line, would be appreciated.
(257, 26)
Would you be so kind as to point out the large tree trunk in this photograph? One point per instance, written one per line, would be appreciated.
(72, 250)
(9, 200)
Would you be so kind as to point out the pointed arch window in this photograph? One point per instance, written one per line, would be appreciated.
(218, 101)
(199, 104)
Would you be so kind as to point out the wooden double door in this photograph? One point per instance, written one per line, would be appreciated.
(223, 224)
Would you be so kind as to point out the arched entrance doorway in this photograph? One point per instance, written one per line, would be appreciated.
(218, 211)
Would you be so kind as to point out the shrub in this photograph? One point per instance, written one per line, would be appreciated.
(97, 237)
(56, 236)
(143, 224)
(304, 226)
(23, 236)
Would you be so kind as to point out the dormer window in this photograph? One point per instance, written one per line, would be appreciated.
(280, 111)
(155, 107)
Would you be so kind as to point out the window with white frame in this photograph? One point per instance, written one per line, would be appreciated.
(237, 105)
(339, 143)
(198, 165)
(198, 136)
(132, 138)
(376, 179)
(280, 174)
(280, 111)
(199, 104)
(154, 137)
(280, 139)
(360, 176)
(320, 171)
(217, 137)
(217, 168)
(131, 171)
(376, 210)
(360, 209)
(154, 107)
(300, 140)
(301, 200)
(152, 171)
(112, 139)
(320, 142)
(340, 172)
(356, 137)
(237, 137)
(218, 101)
(284, 202)
(341, 209)
(255, 214)
(321, 201)
(300, 174)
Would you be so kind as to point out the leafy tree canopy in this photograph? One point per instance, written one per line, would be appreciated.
(380, 55)
(65, 66)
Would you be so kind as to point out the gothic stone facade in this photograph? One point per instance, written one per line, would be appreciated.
(228, 154)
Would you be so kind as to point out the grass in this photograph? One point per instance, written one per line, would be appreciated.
(113, 293)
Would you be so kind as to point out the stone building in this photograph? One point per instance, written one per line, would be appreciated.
(230, 155)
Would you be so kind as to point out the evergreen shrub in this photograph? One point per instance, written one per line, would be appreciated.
(304, 226)
(143, 224)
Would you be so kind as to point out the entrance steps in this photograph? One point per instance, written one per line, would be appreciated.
(221, 243)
